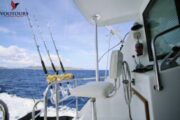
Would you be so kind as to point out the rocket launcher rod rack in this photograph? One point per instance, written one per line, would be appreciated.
(54, 80)
(51, 79)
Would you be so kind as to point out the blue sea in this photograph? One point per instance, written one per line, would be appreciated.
(28, 83)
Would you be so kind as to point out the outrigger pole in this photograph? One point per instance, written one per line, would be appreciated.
(37, 46)
(57, 52)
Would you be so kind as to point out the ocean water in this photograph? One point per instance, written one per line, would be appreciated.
(28, 83)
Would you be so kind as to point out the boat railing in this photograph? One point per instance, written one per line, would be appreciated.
(158, 86)
(57, 101)
(34, 107)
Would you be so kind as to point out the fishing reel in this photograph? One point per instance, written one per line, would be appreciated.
(63, 91)
(54, 96)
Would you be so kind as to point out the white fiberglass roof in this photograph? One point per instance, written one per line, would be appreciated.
(110, 11)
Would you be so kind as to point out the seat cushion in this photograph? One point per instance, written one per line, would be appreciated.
(93, 90)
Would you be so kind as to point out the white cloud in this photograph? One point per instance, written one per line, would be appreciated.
(6, 30)
(16, 57)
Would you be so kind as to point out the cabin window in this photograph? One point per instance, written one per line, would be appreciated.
(161, 15)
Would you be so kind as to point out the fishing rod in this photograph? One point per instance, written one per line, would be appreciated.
(37, 46)
(50, 78)
(52, 64)
(57, 52)
(49, 56)
(59, 77)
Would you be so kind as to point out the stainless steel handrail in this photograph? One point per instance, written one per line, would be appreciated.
(77, 115)
(45, 101)
(33, 111)
(158, 86)
(57, 102)
(89, 78)
(45, 98)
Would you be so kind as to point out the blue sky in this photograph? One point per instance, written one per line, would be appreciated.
(73, 35)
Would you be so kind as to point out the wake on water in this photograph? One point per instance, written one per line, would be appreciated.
(20, 88)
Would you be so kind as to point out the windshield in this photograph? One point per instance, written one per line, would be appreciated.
(158, 18)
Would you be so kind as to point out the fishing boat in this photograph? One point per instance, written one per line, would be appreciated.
(143, 81)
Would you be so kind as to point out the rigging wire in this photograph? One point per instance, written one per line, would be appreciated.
(121, 42)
